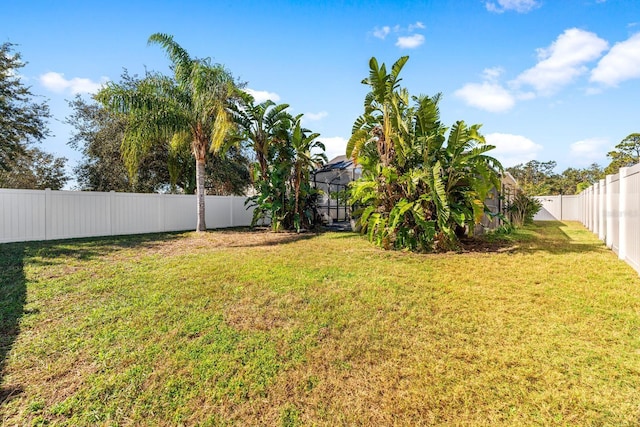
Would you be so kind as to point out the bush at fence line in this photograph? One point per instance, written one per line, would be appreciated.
(523, 208)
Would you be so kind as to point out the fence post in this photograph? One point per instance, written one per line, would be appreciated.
(48, 217)
(602, 214)
(594, 208)
(162, 213)
(609, 211)
(624, 206)
(112, 208)
(233, 199)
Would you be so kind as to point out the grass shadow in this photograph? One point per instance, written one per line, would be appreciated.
(13, 294)
(557, 237)
(89, 248)
(13, 280)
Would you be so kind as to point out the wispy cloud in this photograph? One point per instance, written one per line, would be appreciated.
(588, 151)
(621, 63)
(263, 95)
(487, 96)
(56, 82)
(417, 26)
(407, 38)
(410, 42)
(313, 117)
(520, 6)
(513, 149)
(562, 62)
(382, 33)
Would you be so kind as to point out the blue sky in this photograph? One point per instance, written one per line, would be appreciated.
(548, 79)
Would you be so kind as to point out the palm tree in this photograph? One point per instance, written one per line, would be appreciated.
(193, 106)
(305, 159)
(261, 124)
(383, 111)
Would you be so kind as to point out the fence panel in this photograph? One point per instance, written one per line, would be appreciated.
(559, 208)
(22, 215)
(613, 212)
(46, 214)
(551, 209)
(632, 213)
(180, 212)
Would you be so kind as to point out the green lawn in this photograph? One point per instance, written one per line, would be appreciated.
(247, 328)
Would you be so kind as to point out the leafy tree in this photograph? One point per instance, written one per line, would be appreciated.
(627, 153)
(262, 125)
(304, 160)
(22, 120)
(98, 136)
(539, 179)
(535, 178)
(284, 159)
(421, 187)
(35, 169)
(573, 181)
(192, 106)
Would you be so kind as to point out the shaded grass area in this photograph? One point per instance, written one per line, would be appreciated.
(242, 328)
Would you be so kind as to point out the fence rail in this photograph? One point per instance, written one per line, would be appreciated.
(47, 214)
(609, 208)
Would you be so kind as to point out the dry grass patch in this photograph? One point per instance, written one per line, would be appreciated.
(256, 328)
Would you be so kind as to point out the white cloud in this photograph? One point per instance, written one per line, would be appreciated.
(382, 33)
(56, 82)
(262, 95)
(312, 117)
(520, 6)
(410, 42)
(487, 96)
(417, 25)
(562, 62)
(621, 63)
(335, 146)
(588, 151)
(492, 74)
(512, 149)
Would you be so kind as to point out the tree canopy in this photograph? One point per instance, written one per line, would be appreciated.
(627, 153)
(422, 184)
(537, 178)
(190, 108)
(22, 120)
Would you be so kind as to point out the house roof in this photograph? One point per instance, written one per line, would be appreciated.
(337, 163)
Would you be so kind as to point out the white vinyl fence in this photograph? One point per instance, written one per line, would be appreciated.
(610, 208)
(47, 214)
(559, 208)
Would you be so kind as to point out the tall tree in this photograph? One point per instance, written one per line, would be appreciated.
(261, 125)
(419, 186)
(35, 169)
(22, 120)
(192, 105)
(627, 153)
(308, 153)
(535, 178)
(98, 135)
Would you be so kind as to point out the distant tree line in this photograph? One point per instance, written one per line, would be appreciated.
(538, 178)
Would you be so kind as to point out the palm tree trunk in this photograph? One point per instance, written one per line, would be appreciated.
(201, 226)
